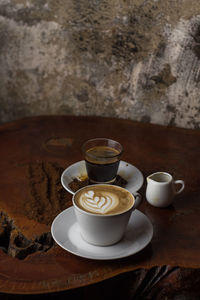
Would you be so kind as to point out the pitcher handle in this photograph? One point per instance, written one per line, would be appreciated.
(182, 186)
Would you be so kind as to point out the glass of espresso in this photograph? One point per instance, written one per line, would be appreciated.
(102, 157)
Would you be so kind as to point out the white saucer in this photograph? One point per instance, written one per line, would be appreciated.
(127, 171)
(65, 231)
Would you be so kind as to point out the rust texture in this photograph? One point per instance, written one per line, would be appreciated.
(47, 194)
(136, 59)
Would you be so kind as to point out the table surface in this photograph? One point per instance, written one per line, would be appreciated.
(149, 147)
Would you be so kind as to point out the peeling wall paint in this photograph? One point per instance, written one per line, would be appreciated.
(137, 59)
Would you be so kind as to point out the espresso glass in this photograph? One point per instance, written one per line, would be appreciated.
(102, 157)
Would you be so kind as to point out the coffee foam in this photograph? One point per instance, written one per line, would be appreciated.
(100, 204)
(102, 155)
(101, 200)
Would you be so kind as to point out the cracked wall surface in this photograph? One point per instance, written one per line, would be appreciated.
(131, 59)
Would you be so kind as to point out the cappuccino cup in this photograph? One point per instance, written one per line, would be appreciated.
(103, 211)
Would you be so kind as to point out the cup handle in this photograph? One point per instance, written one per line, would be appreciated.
(182, 186)
(138, 199)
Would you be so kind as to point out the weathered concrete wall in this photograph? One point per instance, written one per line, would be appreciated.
(131, 59)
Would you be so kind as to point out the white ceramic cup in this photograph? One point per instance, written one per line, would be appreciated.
(103, 230)
(161, 189)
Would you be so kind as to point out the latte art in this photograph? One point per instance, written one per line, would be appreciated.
(104, 199)
(99, 204)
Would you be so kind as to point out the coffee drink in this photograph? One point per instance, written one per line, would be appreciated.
(102, 163)
(102, 155)
(102, 212)
(102, 158)
(104, 199)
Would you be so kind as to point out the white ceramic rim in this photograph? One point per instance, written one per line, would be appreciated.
(90, 255)
(121, 165)
(98, 215)
(161, 182)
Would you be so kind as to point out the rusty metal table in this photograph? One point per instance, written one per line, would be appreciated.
(167, 268)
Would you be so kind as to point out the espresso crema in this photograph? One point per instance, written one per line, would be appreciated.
(104, 199)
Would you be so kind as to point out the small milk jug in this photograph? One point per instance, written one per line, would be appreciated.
(161, 189)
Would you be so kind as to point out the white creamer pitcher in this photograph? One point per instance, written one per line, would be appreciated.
(161, 189)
